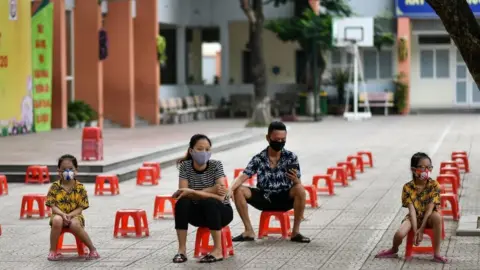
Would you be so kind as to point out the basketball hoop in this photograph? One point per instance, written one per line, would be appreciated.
(315, 5)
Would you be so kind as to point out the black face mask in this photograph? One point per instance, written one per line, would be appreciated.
(276, 145)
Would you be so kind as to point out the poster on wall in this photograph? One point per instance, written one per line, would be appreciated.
(16, 110)
(12, 10)
(42, 42)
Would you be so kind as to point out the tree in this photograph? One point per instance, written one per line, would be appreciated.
(463, 28)
(310, 30)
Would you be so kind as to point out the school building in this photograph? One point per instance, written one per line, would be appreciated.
(207, 53)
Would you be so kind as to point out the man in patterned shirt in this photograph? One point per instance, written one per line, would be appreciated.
(278, 184)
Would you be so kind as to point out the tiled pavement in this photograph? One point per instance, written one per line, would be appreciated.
(346, 231)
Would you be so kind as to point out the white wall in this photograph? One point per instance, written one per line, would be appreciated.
(211, 12)
(430, 93)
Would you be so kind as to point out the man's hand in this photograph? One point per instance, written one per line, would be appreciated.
(292, 175)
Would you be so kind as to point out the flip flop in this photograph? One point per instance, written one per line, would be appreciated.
(210, 259)
(439, 259)
(93, 255)
(242, 238)
(386, 253)
(179, 258)
(300, 239)
(53, 256)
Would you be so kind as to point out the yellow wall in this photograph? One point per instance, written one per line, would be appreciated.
(277, 53)
(15, 79)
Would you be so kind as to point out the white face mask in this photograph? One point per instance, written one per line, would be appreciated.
(425, 175)
(68, 175)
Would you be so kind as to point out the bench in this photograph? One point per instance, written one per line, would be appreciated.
(241, 103)
(207, 110)
(376, 100)
(285, 103)
(171, 111)
(192, 110)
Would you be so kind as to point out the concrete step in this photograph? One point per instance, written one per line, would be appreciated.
(126, 170)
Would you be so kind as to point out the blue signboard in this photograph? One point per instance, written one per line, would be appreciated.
(421, 9)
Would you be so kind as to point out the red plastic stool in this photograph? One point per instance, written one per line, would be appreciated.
(265, 229)
(27, 206)
(450, 180)
(448, 164)
(139, 216)
(146, 175)
(338, 175)
(79, 248)
(37, 175)
(238, 171)
(453, 171)
(329, 185)
(3, 185)
(358, 161)
(159, 206)
(155, 165)
(349, 168)
(454, 210)
(202, 246)
(369, 161)
(225, 182)
(312, 196)
(113, 186)
(92, 143)
(460, 153)
(462, 162)
(410, 249)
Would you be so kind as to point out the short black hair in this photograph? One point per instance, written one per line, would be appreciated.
(69, 157)
(276, 125)
(417, 157)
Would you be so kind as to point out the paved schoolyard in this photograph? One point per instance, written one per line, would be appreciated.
(346, 231)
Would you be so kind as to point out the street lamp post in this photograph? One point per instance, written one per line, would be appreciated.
(315, 5)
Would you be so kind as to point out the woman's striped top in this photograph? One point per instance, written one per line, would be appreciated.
(198, 180)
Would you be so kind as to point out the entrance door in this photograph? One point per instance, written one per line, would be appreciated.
(466, 93)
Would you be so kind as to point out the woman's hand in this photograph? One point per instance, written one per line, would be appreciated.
(221, 190)
(418, 236)
(184, 192)
(67, 220)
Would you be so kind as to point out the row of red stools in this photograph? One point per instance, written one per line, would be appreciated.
(450, 182)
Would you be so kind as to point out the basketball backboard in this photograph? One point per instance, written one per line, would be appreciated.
(346, 31)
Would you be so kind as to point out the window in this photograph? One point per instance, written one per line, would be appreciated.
(434, 63)
(247, 76)
(377, 65)
(336, 59)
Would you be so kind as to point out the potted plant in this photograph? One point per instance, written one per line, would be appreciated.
(339, 78)
(80, 114)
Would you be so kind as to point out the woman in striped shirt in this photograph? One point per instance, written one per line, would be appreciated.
(201, 199)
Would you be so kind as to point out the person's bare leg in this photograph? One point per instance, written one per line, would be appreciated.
(299, 196)
(182, 241)
(435, 222)
(217, 244)
(400, 234)
(57, 226)
(79, 231)
(242, 194)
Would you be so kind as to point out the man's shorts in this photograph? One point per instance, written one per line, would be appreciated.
(276, 201)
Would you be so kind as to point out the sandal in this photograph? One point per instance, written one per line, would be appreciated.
(210, 259)
(386, 253)
(242, 238)
(300, 239)
(179, 258)
(53, 256)
(439, 259)
(93, 255)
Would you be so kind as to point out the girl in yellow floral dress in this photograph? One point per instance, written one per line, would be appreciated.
(68, 198)
(422, 198)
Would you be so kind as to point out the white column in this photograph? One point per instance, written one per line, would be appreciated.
(225, 42)
(181, 58)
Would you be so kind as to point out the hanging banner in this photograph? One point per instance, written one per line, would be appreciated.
(42, 42)
(16, 111)
(421, 9)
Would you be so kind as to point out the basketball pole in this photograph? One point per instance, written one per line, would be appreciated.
(315, 5)
(355, 78)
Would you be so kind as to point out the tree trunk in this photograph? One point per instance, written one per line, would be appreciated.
(261, 115)
(460, 23)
